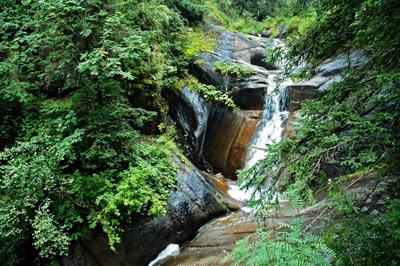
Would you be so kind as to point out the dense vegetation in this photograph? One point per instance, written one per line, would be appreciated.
(348, 133)
(84, 146)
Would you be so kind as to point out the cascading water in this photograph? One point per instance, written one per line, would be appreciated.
(269, 131)
(271, 125)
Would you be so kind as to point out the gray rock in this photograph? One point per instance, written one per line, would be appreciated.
(195, 201)
(191, 112)
(327, 73)
(203, 69)
(333, 79)
(79, 255)
(237, 48)
(299, 93)
(352, 59)
(248, 92)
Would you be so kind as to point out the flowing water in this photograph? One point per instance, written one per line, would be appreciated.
(271, 125)
(269, 131)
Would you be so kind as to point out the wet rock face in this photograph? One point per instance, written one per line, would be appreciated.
(246, 91)
(237, 48)
(289, 129)
(79, 255)
(227, 139)
(190, 112)
(327, 73)
(215, 240)
(249, 98)
(214, 133)
(195, 201)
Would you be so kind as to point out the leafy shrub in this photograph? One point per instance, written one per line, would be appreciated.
(290, 245)
(48, 237)
(236, 70)
(196, 41)
(364, 239)
(143, 188)
(192, 10)
(290, 26)
(226, 15)
(80, 84)
(209, 92)
(349, 130)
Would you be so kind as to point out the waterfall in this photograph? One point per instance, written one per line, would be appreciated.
(269, 130)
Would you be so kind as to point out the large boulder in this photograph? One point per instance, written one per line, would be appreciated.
(248, 91)
(236, 48)
(190, 112)
(216, 136)
(243, 47)
(196, 200)
(215, 241)
(219, 137)
(328, 72)
(228, 137)
(352, 59)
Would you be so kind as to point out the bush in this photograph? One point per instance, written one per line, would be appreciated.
(290, 245)
(80, 85)
(235, 70)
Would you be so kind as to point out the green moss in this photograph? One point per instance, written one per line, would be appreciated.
(236, 70)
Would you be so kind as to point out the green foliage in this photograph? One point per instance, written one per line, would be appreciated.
(356, 125)
(192, 10)
(289, 245)
(33, 172)
(223, 13)
(290, 26)
(341, 25)
(282, 18)
(143, 188)
(80, 85)
(347, 132)
(209, 92)
(237, 70)
(48, 237)
(364, 239)
(196, 41)
(345, 141)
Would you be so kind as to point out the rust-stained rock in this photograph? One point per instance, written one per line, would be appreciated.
(227, 139)
(215, 240)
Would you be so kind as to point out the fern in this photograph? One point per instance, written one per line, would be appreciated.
(290, 245)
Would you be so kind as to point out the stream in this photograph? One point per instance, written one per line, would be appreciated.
(215, 238)
(237, 140)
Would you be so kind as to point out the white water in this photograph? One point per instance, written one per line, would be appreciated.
(243, 196)
(270, 128)
(269, 131)
(171, 250)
